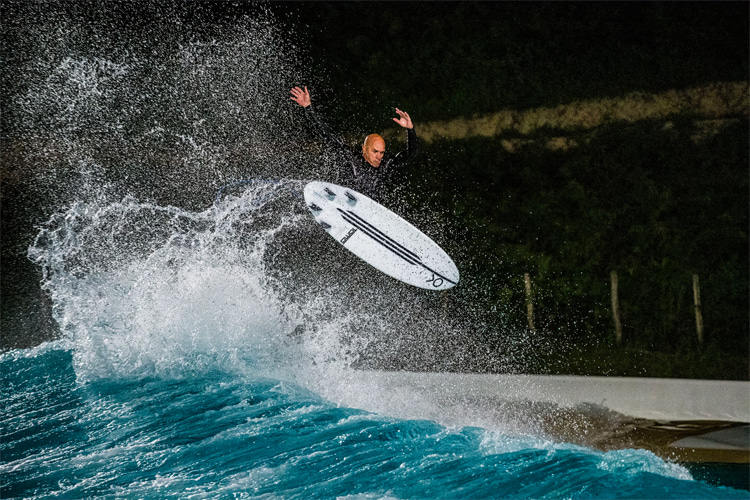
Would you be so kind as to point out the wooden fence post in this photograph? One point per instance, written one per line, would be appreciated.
(698, 313)
(616, 307)
(529, 303)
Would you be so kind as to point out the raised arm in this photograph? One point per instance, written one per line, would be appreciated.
(302, 97)
(412, 142)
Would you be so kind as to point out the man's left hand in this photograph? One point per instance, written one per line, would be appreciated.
(403, 119)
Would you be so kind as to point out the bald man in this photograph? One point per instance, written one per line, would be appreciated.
(369, 169)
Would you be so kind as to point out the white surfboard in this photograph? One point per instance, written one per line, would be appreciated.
(379, 237)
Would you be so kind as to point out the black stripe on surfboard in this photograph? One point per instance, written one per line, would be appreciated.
(387, 241)
(382, 235)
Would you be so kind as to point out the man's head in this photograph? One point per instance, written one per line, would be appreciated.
(373, 149)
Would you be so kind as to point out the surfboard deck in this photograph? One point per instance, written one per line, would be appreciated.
(380, 237)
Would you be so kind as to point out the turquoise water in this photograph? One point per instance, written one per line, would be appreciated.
(225, 435)
(191, 367)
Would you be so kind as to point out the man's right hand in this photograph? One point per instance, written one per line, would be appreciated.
(301, 97)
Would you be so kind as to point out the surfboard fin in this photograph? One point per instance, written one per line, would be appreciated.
(350, 196)
(325, 225)
(330, 193)
(315, 207)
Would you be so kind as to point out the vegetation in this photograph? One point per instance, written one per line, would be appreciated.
(568, 141)
(645, 200)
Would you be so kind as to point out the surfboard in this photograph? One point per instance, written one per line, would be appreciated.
(380, 237)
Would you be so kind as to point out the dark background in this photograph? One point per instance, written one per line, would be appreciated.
(646, 198)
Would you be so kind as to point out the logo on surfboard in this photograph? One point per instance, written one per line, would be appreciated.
(348, 235)
(436, 281)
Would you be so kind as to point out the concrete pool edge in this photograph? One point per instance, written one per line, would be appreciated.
(682, 420)
(652, 398)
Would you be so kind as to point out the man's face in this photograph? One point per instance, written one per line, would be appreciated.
(373, 150)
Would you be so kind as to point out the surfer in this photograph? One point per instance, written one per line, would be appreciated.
(369, 169)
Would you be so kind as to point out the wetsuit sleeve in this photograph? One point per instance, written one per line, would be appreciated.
(346, 155)
(324, 130)
(411, 151)
(412, 144)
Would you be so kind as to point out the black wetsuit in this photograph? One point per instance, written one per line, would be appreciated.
(360, 175)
